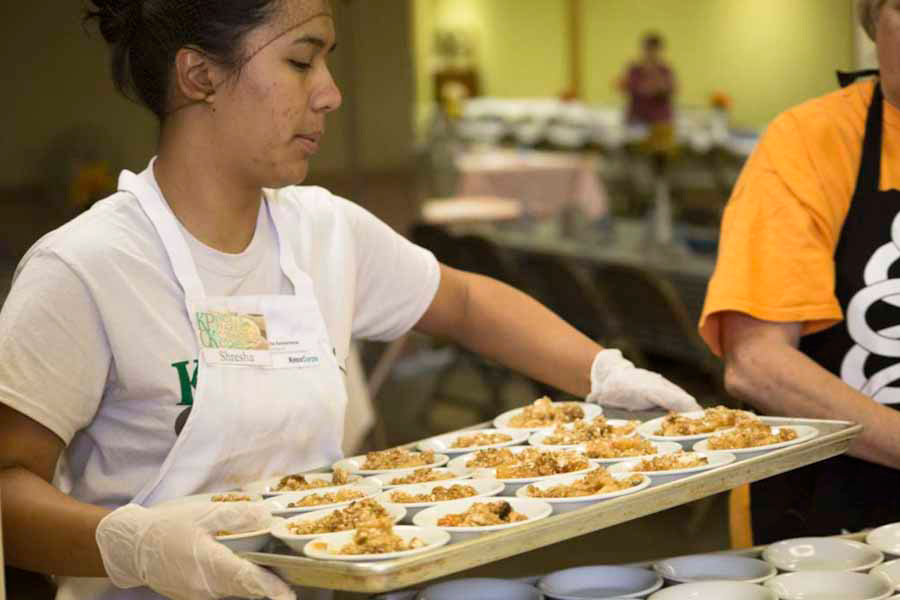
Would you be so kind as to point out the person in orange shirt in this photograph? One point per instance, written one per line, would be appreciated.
(804, 304)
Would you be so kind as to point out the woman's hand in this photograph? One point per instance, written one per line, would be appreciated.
(172, 551)
(615, 381)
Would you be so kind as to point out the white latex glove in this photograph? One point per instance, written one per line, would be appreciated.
(172, 551)
(615, 381)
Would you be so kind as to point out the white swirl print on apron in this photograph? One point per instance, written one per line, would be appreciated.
(880, 287)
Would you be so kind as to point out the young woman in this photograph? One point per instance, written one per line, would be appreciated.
(212, 282)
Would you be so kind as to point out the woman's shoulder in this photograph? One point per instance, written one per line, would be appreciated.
(112, 228)
(840, 111)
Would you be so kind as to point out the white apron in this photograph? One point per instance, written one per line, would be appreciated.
(270, 397)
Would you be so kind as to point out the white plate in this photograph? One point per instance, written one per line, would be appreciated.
(889, 571)
(355, 464)
(433, 538)
(649, 428)
(444, 443)
(715, 590)
(251, 541)
(715, 567)
(804, 433)
(716, 459)
(661, 449)
(537, 438)
(535, 510)
(483, 488)
(886, 538)
(386, 479)
(279, 504)
(265, 486)
(562, 505)
(829, 585)
(502, 421)
(822, 554)
(458, 465)
(477, 588)
(296, 542)
(588, 583)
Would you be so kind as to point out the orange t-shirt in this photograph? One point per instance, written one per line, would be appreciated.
(783, 222)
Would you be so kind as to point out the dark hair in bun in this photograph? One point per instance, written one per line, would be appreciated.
(145, 35)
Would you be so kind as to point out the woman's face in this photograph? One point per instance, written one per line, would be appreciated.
(271, 117)
(887, 40)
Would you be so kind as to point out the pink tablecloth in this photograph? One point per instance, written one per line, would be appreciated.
(544, 182)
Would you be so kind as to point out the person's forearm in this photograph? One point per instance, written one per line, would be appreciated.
(512, 328)
(782, 380)
(47, 531)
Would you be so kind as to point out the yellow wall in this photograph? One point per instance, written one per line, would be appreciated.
(766, 54)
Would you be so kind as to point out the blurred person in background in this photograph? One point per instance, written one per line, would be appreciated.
(649, 83)
(804, 304)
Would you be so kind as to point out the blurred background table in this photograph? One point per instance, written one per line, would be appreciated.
(544, 182)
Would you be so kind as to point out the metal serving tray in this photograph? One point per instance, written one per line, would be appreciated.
(374, 577)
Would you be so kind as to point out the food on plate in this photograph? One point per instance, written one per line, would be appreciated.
(423, 475)
(669, 462)
(231, 497)
(298, 483)
(491, 457)
(376, 537)
(585, 431)
(483, 514)
(342, 519)
(345, 495)
(397, 458)
(713, 419)
(437, 494)
(595, 482)
(544, 412)
(619, 448)
(750, 434)
(528, 462)
(480, 439)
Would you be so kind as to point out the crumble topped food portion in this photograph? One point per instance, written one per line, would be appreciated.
(437, 494)
(423, 475)
(299, 483)
(585, 431)
(713, 419)
(483, 514)
(544, 413)
(327, 498)
(528, 462)
(619, 448)
(360, 511)
(670, 462)
(750, 434)
(231, 497)
(376, 537)
(480, 439)
(595, 482)
(397, 458)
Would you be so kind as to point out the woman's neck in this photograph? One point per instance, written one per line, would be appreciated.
(205, 196)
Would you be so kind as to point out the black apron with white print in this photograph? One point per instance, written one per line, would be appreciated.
(864, 351)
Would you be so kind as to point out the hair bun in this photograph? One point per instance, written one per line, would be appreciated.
(116, 19)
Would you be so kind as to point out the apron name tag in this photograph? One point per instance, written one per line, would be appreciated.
(240, 358)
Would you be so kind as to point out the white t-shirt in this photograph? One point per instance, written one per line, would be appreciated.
(96, 345)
